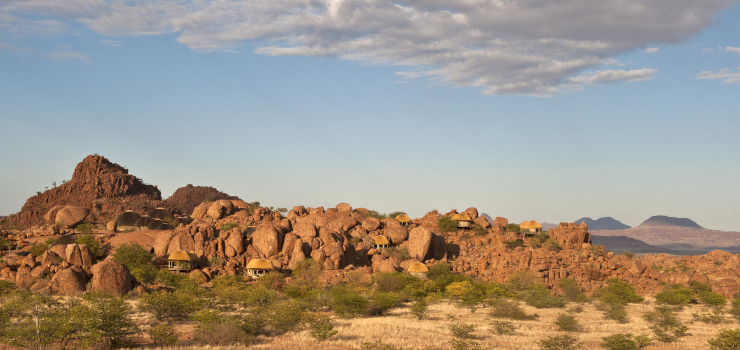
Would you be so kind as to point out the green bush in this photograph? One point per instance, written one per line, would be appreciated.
(500, 327)
(109, 320)
(145, 274)
(618, 291)
(284, 316)
(522, 280)
(712, 298)
(513, 228)
(214, 328)
(39, 249)
(84, 228)
(511, 245)
(571, 290)
(398, 253)
(228, 226)
(478, 230)
(348, 303)
(625, 342)
(163, 334)
(567, 323)
(446, 224)
(560, 342)
(5, 244)
(419, 308)
(716, 316)
(552, 244)
(677, 295)
(321, 328)
(665, 324)
(381, 302)
(274, 280)
(132, 255)
(92, 244)
(173, 305)
(539, 296)
(395, 213)
(504, 308)
(727, 339)
(628, 255)
(463, 337)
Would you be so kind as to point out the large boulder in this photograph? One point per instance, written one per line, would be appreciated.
(234, 244)
(71, 281)
(305, 230)
(51, 215)
(420, 238)
(344, 208)
(181, 241)
(70, 216)
(371, 224)
(112, 277)
(266, 240)
(79, 255)
(473, 212)
(397, 234)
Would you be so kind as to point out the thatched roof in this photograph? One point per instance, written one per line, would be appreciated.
(182, 256)
(260, 264)
(462, 217)
(532, 225)
(418, 267)
(381, 240)
(403, 218)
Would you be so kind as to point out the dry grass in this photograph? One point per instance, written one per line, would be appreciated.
(401, 329)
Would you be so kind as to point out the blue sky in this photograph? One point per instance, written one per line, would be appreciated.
(414, 106)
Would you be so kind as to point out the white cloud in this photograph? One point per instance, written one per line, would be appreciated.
(611, 76)
(22, 27)
(109, 42)
(501, 46)
(732, 49)
(725, 76)
(652, 49)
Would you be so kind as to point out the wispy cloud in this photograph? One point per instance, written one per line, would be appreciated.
(725, 76)
(732, 49)
(652, 49)
(110, 42)
(611, 76)
(22, 27)
(67, 56)
(502, 47)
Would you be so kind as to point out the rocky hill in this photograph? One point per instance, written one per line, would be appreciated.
(605, 223)
(667, 221)
(185, 199)
(98, 186)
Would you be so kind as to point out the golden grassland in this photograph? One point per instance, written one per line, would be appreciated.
(400, 329)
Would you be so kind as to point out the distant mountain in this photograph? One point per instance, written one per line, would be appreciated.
(606, 223)
(487, 217)
(619, 244)
(662, 220)
(548, 225)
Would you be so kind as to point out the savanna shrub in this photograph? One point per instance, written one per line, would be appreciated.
(559, 342)
(446, 224)
(499, 327)
(84, 228)
(727, 339)
(321, 328)
(625, 342)
(539, 296)
(504, 308)
(163, 334)
(677, 295)
(665, 324)
(712, 298)
(571, 290)
(92, 244)
(175, 305)
(132, 255)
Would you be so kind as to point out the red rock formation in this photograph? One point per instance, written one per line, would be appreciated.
(185, 199)
(103, 188)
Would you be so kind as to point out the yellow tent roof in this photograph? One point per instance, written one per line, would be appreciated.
(418, 267)
(530, 225)
(462, 217)
(182, 256)
(403, 218)
(381, 240)
(261, 264)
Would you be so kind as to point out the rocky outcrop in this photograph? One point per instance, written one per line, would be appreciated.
(185, 199)
(104, 188)
(111, 277)
(267, 240)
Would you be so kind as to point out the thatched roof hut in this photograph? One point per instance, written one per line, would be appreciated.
(530, 227)
(418, 269)
(404, 219)
(463, 220)
(182, 261)
(259, 267)
(380, 242)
